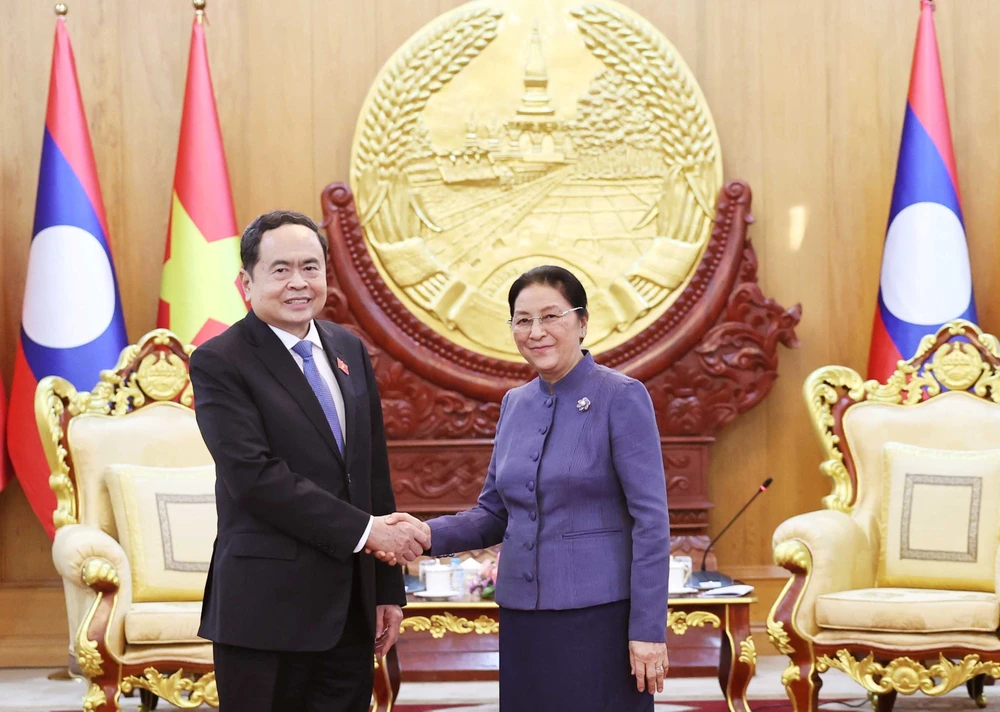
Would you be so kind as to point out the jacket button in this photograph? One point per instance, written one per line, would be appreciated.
(532, 516)
(529, 577)
(506, 535)
(544, 429)
(548, 402)
(531, 485)
(534, 456)
(348, 478)
(529, 545)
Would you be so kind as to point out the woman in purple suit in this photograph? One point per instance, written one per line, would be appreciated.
(575, 492)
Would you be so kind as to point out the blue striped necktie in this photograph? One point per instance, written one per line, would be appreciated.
(323, 395)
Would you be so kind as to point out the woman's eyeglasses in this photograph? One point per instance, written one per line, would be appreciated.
(522, 324)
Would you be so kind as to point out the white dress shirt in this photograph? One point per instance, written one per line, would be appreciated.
(326, 373)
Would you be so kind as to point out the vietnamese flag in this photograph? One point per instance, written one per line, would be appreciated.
(199, 292)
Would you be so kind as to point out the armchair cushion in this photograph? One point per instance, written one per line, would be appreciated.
(169, 622)
(955, 420)
(908, 644)
(166, 523)
(163, 434)
(940, 518)
(176, 653)
(908, 610)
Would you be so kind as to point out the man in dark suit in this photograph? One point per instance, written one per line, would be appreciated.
(290, 411)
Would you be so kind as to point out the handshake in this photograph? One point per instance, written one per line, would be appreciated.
(398, 537)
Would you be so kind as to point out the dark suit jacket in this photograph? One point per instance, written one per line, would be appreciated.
(291, 510)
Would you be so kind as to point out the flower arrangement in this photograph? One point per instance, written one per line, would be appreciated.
(484, 585)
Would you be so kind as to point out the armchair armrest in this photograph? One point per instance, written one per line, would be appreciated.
(826, 551)
(98, 582)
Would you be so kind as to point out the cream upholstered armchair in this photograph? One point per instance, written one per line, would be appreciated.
(135, 525)
(895, 582)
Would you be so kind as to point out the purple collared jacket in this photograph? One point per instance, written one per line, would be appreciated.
(576, 493)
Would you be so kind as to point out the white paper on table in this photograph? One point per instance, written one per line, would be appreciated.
(737, 589)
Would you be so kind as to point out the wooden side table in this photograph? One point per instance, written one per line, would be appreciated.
(456, 640)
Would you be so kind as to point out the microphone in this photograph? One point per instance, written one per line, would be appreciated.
(713, 579)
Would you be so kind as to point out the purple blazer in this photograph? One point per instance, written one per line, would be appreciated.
(576, 493)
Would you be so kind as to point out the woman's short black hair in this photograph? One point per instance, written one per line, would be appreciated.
(250, 242)
(558, 278)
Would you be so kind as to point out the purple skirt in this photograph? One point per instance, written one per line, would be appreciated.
(568, 661)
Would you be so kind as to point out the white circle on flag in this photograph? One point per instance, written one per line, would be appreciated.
(926, 278)
(69, 298)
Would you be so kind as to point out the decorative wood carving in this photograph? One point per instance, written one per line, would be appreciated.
(711, 356)
(732, 367)
(442, 476)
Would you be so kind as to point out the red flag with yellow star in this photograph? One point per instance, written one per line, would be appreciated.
(199, 293)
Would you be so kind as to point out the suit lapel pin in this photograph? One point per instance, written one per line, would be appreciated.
(343, 367)
(583, 404)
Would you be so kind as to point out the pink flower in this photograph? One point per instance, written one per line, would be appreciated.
(489, 569)
(484, 584)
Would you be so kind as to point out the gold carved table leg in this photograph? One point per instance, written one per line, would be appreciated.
(737, 657)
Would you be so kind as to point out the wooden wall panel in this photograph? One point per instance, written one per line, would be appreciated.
(154, 47)
(23, 545)
(808, 99)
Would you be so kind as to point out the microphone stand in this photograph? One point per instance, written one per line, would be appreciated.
(705, 580)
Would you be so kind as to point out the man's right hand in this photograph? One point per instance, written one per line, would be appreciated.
(398, 537)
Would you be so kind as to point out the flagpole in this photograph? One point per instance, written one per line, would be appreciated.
(62, 673)
(199, 10)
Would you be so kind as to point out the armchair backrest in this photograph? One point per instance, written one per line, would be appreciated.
(140, 413)
(946, 396)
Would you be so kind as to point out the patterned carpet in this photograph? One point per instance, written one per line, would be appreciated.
(701, 706)
(31, 690)
(951, 703)
(661, 707)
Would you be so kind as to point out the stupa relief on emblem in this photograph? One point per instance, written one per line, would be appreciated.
(507, 135)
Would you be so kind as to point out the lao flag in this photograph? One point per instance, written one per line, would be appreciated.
(71, 322)
(926, 279)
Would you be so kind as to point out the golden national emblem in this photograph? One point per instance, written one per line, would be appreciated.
(504, 135)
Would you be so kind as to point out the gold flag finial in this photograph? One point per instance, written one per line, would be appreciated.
(199, 9)
(61, 10)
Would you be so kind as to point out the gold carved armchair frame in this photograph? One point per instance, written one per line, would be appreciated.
(154, 370)
(959, 357)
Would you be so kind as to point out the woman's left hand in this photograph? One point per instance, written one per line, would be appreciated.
(649, 664)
